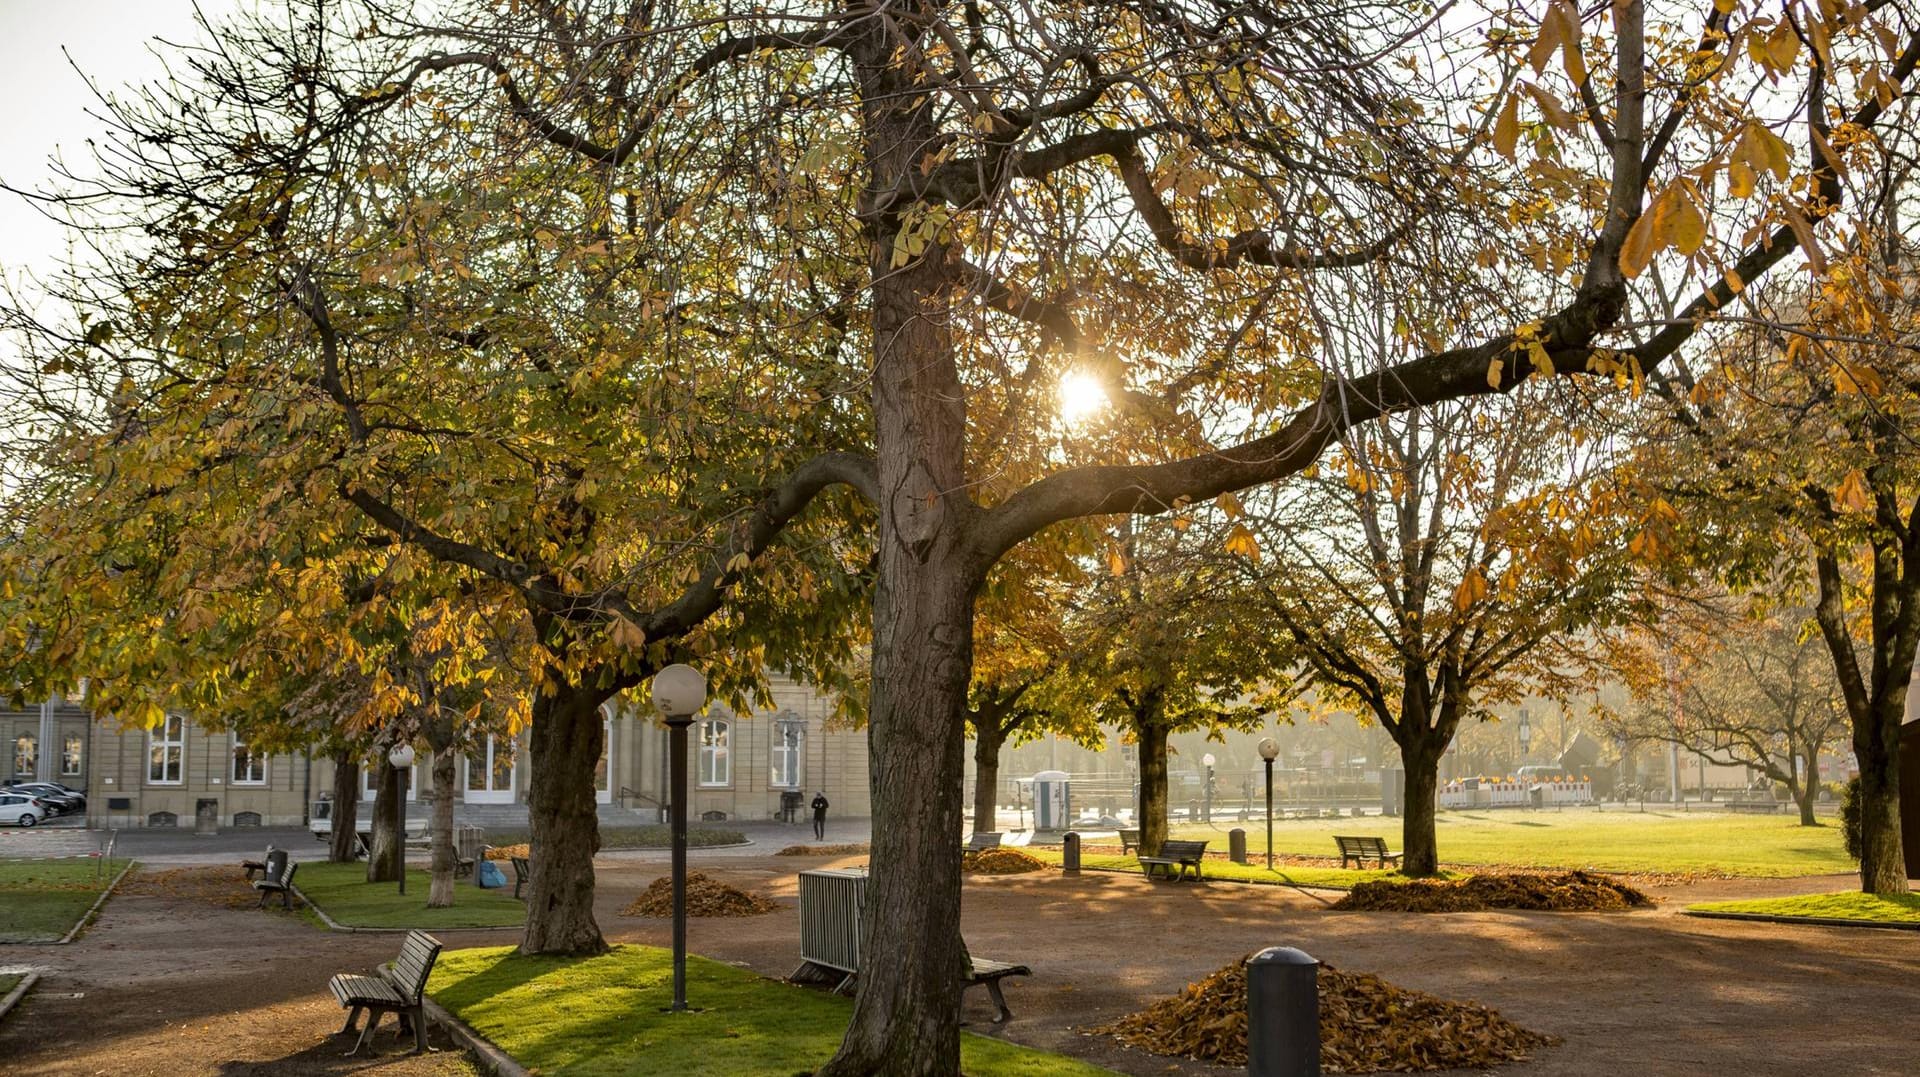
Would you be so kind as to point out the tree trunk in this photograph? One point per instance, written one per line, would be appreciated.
(387, 847)
(1809, 789)
(1883, 867)
(341, 847)
(565, 826)
(1152, 741)
(988, 739)
(1418, 841)
(440, 892)
(906, 1015)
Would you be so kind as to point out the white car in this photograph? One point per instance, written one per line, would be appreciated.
(22, 809)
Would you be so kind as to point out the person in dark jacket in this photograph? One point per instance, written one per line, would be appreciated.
(819, 815)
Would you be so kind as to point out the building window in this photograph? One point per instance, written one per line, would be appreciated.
(789, 749)
(166, 751)
(26, 755)
(716, 757)
(249, 766)
(70, 756)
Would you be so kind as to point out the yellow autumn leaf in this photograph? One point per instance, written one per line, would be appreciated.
(1241, 541)
(1740, 179)
(1506, 129)
(1689, 227)
(1853, 495)
(1473, 588)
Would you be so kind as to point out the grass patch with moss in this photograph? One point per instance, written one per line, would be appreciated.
(606, 1016)
(1619, 841)
(343, 891)
(42, 900)
(9, 981)
(1865, 908)
(1228, 871)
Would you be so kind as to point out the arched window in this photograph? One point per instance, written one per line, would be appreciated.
(789, 752)
(716, 752)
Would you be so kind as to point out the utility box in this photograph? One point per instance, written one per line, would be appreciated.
(206, 816)
(1052, 800)
(1393, 791)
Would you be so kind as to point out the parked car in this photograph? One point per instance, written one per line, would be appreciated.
(21, 809)
(62, 799)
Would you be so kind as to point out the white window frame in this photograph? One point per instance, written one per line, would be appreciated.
(157, 739)
(256, 762)
(788, 757)
(716, 754)
(72, 755)
(32, 757)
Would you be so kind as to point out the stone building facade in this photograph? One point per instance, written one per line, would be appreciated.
(741, 768)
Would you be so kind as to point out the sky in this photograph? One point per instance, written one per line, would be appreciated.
(45, 101)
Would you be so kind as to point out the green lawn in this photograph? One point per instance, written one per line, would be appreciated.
(9, 981)
(343, 891)
(1870, 908)
(1758, 845)
(1228, 871)
(606, 1015)
(41, 900)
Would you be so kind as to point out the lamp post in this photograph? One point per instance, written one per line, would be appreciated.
(1526, 736)
(401, 757)
(679, 691)
(1207, 791)
(1269, 748)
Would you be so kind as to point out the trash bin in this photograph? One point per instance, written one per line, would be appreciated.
(206, 817)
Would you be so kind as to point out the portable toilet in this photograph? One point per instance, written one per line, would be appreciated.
(1052, 804)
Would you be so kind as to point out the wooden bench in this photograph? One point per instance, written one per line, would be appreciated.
(981, 841)
(1129, 841)
(1175, 858)
(257, 867)
(988, 974)
(276, 878)
(522, 873)
(396, 988)
(1357, 850)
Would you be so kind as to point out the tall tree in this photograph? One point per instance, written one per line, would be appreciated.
(1438, 563)
(1011, 177)
(1738, 689)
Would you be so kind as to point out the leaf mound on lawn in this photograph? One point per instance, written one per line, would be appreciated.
(705, 897)
(1572, 891)
(1367, 1025)
(848, 849)
(1000, 862)
(508, 852)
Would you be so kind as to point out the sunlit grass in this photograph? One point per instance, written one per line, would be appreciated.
(1659, 840)
(1228, 871)
(1870, 908)
(607, 1016)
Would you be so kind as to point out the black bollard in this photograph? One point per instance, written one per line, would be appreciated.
(1070, 853)
(1283, 1014)
(1237, 845)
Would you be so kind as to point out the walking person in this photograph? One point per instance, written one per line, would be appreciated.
(819, 816)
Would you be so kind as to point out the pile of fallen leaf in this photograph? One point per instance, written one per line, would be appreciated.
(705, 897)
(849, 849)
(508, 852)
(225, 887)
(1000, 862)
(1367, 1025)
(1570, 891)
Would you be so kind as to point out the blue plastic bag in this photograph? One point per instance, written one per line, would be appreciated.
(490, 875)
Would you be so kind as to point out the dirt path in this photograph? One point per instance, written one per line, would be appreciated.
(171, 985)
(1651, 992)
